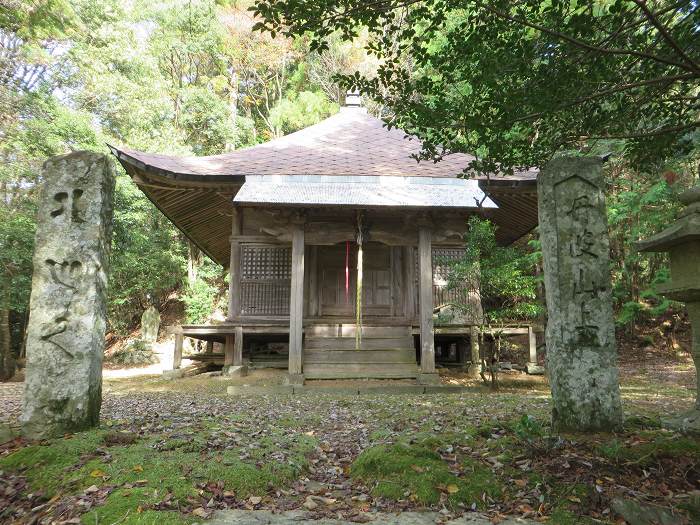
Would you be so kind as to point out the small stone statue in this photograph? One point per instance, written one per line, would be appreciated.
(150, 323)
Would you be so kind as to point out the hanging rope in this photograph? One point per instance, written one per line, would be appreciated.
(347, 272)
(358, 302)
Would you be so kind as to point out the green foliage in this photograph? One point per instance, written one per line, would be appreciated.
(301, 110)
(199, 301)
(639, 205)
(135, 353)
(17, 242)
(206, 121)
(200, 296)
(502, 277)
(148, 261)
(182, 77)
(528, 428)
(517, 82)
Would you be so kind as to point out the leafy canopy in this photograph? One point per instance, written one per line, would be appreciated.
(516, 82)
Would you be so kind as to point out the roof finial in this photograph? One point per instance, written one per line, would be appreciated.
(353, 99)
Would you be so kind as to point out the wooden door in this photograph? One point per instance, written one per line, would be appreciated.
(335, 300)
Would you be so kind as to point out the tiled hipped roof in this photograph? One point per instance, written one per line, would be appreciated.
(350, 142)
(350, 159)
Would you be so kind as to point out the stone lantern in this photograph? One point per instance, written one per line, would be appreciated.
(682, 241)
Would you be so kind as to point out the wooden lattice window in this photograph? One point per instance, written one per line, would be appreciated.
(441, 258)
(442, 295)
(266, 273)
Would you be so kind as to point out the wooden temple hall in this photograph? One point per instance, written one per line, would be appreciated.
(290, 219)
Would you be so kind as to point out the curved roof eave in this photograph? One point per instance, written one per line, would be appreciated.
(128, 157)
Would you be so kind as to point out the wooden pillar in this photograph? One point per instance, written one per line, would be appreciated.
(210, 347)
(532, 340)
(228, 350)
(238, 347)
(313, 282)
(177, 351)
(397, 285)
(234, 285)
(409, 275)
(296, 304)
(427, 338)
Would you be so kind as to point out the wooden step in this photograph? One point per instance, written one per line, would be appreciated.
(360, 371)
(379, 357)
(348, 330)
(366, 343)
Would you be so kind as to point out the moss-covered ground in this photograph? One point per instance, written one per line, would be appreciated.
(160, 476)
(173, 452)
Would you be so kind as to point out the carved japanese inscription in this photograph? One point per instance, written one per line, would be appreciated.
(581, 354)
(582, 268)
(65, 338)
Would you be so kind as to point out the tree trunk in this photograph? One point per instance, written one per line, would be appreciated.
(233, 110)
(7, 363)
(194, 261)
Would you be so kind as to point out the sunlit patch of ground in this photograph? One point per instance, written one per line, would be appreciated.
(163, 351)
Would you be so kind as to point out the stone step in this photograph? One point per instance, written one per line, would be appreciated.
(366, 343)
(348, 330)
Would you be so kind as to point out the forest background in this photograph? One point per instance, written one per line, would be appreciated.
(192, 77)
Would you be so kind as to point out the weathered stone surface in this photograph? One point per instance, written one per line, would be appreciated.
(689, 421)
(581, 352)
(150, 323)
(682, 240)
(235, 370)
(177, 373)
(253, 517)
(636, 513)
(534, 369)
(67, 321)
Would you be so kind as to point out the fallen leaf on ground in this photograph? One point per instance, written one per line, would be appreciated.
(200, 512)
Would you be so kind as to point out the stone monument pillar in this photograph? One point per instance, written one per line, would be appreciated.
(150, 323)
(682, 241)
(67, 319)
(581, 352)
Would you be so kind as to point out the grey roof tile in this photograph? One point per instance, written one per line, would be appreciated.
(350, 142)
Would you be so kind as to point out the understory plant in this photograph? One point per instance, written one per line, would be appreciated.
(502, 284)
